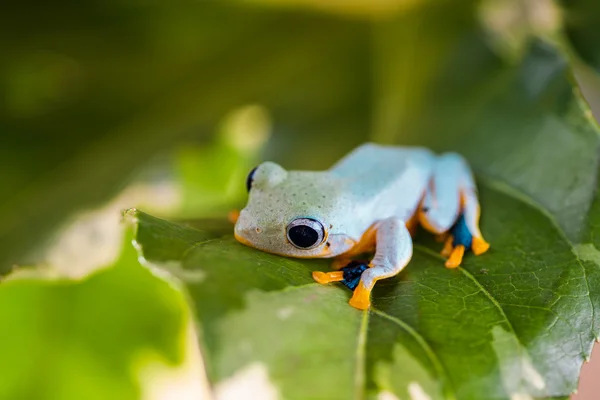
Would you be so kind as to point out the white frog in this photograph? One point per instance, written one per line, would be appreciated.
(373, 198)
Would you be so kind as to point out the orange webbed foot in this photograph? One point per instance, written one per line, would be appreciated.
(479, 246)
(456, 257)
(361, 298)
(327, 277)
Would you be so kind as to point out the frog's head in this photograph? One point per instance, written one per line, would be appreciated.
(293, 213)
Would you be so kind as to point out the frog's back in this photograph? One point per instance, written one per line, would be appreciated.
(372, 159)
(387, 180)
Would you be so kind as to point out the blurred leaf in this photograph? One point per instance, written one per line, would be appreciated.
(75, 339)
(373, 8)
(510, 24)
(423, 38)
(137, 102)
(213, 176)
(581, 20)
(525, 125)
(589, 82)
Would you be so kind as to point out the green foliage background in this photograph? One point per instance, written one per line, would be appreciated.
(105, 98)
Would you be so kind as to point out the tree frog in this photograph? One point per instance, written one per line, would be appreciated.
(372, 199)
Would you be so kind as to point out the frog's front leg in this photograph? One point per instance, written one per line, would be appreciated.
(450, 205)
(393, 251)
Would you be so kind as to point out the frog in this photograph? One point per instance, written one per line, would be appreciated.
(370, 201)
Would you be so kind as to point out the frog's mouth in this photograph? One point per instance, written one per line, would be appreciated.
(242, 239)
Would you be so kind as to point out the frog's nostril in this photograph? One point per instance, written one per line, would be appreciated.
(258, 230)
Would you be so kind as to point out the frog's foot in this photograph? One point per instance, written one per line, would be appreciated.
(479, 245)
(361, 298)
(349, 275)
(352, 273)
(460, 240)
(327, 277)
(456, 256)
(233, 216)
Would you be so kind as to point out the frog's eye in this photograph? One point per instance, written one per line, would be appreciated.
(305, 233)
(250, 178)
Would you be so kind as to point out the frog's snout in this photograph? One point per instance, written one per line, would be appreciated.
(241, 235)
(245, 230)
(241, 239)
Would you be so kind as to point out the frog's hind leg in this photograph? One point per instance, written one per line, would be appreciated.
(441, 204)
(450, 206)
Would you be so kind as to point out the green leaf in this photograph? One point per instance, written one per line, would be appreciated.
(518, 320)
(581, 20)
(89, 338)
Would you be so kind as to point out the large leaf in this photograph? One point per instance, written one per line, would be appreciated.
(89, 338)
(518, 321)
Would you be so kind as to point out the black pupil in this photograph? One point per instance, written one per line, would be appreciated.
(303, 236)
(250, 178)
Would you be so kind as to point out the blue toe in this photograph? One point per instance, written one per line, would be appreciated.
(352, 273)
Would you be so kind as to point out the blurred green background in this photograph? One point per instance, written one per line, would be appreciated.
(108, 105)
(93, 92)
(96, 94)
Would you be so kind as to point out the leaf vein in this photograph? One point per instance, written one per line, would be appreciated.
(361, 352)
(433, 358)
(506, 189)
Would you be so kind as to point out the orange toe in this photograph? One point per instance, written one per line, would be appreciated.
(456, 257)
(327, 277)
(479, 246)
(361, 297)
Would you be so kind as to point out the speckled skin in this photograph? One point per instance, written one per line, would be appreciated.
(371, 183)
(373, 188)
